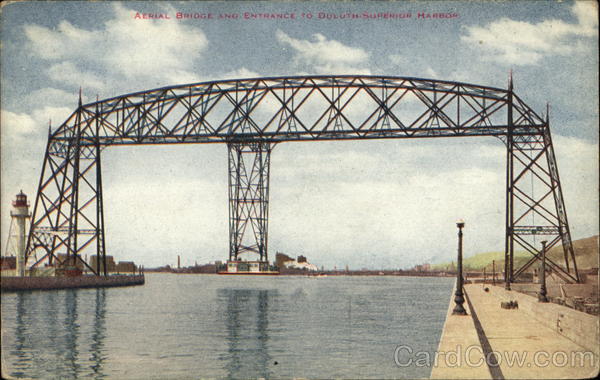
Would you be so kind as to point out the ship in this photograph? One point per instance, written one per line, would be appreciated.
(252, 268)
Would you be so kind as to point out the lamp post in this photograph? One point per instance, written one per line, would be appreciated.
(484, 277)
(459, 299)
(542, 296)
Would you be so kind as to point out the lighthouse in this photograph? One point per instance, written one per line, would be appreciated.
(20, 214)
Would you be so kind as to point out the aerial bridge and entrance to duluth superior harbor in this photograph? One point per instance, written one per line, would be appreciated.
(251, 116)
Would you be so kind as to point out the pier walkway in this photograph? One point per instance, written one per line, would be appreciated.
(534, 341)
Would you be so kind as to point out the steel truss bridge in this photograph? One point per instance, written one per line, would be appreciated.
(252, 115)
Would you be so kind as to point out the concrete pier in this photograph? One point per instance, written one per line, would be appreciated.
(534, 341)
(86, 281)
(459, 343)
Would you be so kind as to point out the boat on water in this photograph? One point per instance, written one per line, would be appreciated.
(247, 268)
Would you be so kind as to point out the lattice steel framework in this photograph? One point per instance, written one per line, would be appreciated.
(249, 166)
(251, 115)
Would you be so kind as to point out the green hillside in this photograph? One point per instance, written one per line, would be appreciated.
(586, 255)
(484, 259)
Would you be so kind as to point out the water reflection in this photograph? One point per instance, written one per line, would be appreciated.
(99, 334)
(247, 327)
(71, 333)
(21, 352)
(230, 329)
(52, 338)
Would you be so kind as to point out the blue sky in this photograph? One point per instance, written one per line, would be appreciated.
(384, 203)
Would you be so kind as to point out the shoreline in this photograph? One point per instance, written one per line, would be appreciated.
(328, 273)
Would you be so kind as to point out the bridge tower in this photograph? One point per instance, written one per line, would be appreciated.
(249, 165)
(535, 205)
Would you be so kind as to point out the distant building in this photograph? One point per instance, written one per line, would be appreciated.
(422, 268)
(111, 266)
(305, 265)
(8, 262)
(281, 259)
(284, 261)
(125, 267)
(78, 263)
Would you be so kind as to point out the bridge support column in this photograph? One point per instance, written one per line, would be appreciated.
(249, 164)
(68, 216)
(508, 250)
(535, 208)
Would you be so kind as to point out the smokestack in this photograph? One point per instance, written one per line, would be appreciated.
(178, 262)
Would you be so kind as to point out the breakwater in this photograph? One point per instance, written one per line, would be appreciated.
(533, 341)
(85, 281)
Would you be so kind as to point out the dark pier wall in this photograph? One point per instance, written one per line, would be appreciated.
(46, 283)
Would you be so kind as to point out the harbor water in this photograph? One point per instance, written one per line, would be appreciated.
(191, 326)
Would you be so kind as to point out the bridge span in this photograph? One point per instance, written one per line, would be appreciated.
(251, 116)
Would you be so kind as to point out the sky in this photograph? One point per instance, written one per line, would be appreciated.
(364, 204)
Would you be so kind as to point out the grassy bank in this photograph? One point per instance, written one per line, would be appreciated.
(586, 255)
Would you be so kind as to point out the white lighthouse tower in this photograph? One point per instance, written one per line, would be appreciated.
(20, 214)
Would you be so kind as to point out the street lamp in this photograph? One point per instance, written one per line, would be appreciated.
(459, 299)
(542, 296)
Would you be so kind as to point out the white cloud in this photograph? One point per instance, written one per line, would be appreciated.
(524, 43)
(173, 45)
(397, 59)
(327, 56)
(68, 73)
(587, 16)
(404, 196)
(23, 138)
(130, 50)
(66, 41)
(16, 124)
(50, 96)
(391, 201)
(178, 214)
(22, 125)
(431, 73)
(182, 77)
(240, 73)
(577, 162)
